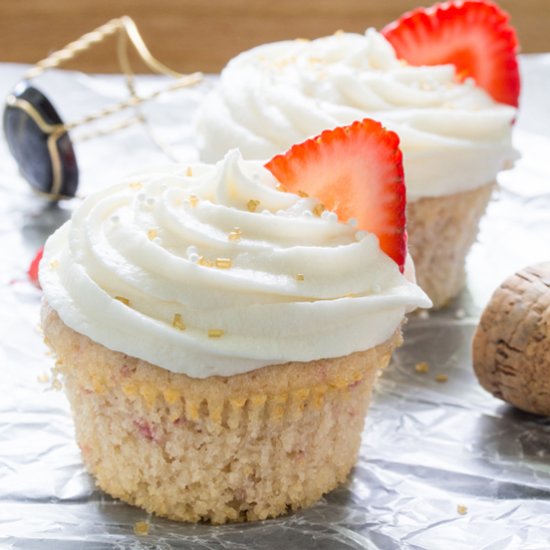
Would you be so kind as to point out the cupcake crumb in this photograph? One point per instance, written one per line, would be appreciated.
(423, 314)
(141, 528)
(460, 313)
(422, 367)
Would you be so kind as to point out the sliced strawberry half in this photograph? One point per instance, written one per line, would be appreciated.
(32, 272)
(474, 35)
(356, 171)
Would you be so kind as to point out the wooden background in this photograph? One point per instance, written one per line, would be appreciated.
(191, 35)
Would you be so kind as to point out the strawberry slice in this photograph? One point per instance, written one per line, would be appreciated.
(356, 171)
(32, 272)
(473, 35)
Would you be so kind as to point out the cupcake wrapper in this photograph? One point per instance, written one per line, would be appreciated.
(245, 447)
(441, 232)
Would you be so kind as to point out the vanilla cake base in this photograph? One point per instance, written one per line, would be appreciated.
(246, 447)
(441, 232)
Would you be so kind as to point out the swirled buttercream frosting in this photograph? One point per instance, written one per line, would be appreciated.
(212, 270)
(454, 136)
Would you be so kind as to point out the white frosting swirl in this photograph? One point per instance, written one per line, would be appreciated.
(454, 137)
(299, 287)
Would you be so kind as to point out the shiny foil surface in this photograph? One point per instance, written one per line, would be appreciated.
(443, 465)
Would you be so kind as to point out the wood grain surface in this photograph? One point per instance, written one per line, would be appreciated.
(203, 35)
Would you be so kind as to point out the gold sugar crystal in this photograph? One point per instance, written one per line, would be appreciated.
(152, 234)
(422, 367)
(235, 235)
(205, 262)
(318, 209)
(223, 263)
(136, 186)
(215, 333)
(178, 322)
(299, 276)
(122, 299)
(252, 205)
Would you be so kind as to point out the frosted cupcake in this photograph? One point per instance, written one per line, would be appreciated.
(455, 133)
(219, 336)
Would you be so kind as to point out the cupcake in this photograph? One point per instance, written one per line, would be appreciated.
(445, 79)
(218, 331)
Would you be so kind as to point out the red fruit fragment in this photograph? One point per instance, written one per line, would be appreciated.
(474, 35)
(357, 172)
(32, 272)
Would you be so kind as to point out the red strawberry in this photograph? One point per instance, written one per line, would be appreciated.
(356, 171)
(473, 35)
(33, 268)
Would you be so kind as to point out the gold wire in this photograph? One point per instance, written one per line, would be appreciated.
(127, 30)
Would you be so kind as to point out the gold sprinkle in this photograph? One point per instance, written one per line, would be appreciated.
(141, 528)
(223, 263)
(252, 205)
(189, 172)
(215, 333)
(205, 263)
(43, 378)
(422, 367)
(318, 209)
(193, 200)
(122, 299)
(178, 322)
(152, 233)
(302, 194)
(54, 264)
(280, 187)
(462, 510)
(441, 378)
(299, 276)
(235, 235)
(136, 185)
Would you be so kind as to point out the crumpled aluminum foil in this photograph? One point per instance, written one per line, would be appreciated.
(430, 449)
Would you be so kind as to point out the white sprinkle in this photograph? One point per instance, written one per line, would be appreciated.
(329, 216)
(115, 219)
(424, 314)
(151, 201)
(360, 235)
(266, 212)
(192, 254)
(141, 197)
(352, 222)
(307, 214)
(460, 313)
(281, 213)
